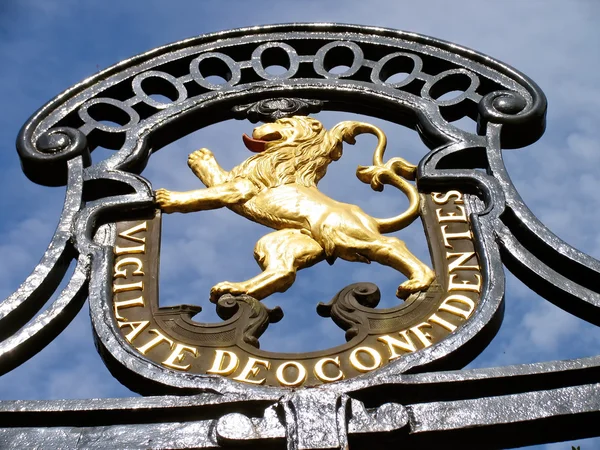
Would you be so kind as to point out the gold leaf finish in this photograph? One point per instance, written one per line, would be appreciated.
(278, 188)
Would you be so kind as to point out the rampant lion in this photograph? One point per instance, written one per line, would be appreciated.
(278, 188)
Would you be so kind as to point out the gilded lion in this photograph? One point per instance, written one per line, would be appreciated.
(278, 188)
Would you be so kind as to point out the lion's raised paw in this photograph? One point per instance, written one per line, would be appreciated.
(199, 156)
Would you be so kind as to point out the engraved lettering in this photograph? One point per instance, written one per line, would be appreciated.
(177, 356)
(445, 197)
(139, 286)
(136, 328)
(300, 377)
(461, 258)
(447, 235)
(128, 250)
(451, 216)
(446, 306)
(407, 345)
(127, 234)
(358, 365)
(424, 337)
(122, 273)
(464, 273)
(232, 363)
(320, 369)
(464, 285)
(444, 323)
(160, 338)
(127, 304)
(251, 369)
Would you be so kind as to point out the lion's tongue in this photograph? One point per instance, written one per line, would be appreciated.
(254, 145)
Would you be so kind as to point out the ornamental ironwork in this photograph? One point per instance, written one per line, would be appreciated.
(396, 379)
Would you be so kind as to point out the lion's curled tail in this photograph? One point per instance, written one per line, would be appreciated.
(395, 172)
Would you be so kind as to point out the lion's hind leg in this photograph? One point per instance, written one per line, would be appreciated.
(392, 252)
(280, 254)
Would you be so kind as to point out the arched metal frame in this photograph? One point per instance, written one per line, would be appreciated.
(403, 401)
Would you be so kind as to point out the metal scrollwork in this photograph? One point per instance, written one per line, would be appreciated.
(258, 316)
(343, 306)
(272, 109)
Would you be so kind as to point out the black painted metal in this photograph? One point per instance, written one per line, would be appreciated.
(272, 109)
(402, 403)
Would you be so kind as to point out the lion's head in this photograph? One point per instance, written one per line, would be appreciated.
(292, 150)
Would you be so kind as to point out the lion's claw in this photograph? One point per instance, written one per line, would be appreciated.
(415, 284)
(166, 201)
(223, 288)
(199, 156)
(163, 197)
(407, 288)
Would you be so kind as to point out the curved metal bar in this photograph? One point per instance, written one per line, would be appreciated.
(540, 259)
(42, 330)
(45, 159)
(34, 292)
(90, 217)
(95, 91)
(547, 282)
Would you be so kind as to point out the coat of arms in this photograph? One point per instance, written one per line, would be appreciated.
(277, 187)
(392, 377)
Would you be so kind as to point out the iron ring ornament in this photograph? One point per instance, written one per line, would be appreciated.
(385, 378)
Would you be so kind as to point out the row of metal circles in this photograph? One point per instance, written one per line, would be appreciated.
(215, 63)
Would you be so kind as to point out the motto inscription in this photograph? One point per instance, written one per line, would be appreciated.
(169, 336)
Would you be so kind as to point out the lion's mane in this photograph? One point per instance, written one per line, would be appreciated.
(303, 160)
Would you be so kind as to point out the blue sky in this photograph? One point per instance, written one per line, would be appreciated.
(48, 45)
